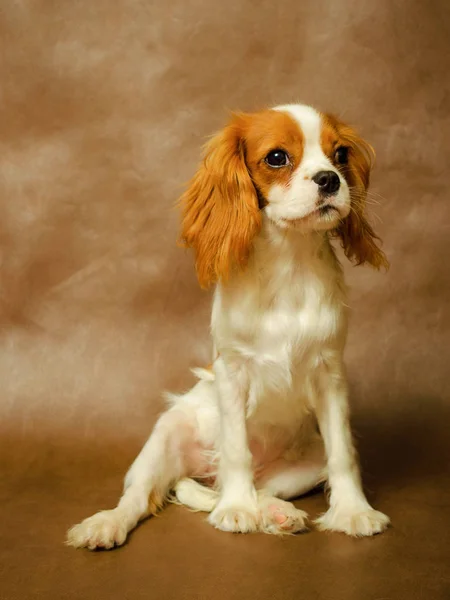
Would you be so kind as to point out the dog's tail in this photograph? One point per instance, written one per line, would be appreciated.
(195, 496)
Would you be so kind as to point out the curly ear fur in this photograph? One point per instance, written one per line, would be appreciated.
(220, 214)
(357, 235)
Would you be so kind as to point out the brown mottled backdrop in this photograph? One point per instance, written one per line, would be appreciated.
(104, 106)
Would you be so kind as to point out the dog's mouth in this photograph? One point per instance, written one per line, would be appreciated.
(327, 210)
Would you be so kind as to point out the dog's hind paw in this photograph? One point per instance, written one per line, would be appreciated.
(105, 529)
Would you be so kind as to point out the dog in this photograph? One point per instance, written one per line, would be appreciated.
(269, 421)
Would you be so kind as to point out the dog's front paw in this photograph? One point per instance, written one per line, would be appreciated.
(237, 518)
(105, 530)
(358, 522)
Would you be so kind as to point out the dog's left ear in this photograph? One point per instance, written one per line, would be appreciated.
(360, 242)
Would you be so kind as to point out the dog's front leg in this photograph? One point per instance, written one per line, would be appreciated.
(237, 509)
(349, 510)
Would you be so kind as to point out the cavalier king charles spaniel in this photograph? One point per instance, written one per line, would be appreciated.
(269, 420)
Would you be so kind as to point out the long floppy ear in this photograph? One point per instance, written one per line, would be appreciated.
(220, 208)
(357, 235)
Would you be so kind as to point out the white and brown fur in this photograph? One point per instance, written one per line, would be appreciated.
(270, 420)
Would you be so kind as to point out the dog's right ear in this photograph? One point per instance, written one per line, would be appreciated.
(220, 213)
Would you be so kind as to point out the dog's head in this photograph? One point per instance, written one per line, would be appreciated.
(295, 166)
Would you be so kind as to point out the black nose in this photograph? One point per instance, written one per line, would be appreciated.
(328, 181)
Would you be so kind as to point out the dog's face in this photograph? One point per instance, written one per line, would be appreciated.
(298, 163)
(293, 165)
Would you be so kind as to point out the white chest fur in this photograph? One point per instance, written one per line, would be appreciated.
(277, 317)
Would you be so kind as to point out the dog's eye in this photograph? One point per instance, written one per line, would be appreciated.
(277, 158)
(341, 155)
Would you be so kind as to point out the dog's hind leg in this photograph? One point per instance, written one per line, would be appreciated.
(166, 457)
(287, 479)
(195, 495)
(295, 476)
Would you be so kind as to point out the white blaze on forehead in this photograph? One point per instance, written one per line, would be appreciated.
(309, 120)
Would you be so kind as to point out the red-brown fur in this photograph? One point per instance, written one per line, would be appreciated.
(358, 239)
(220, 207)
